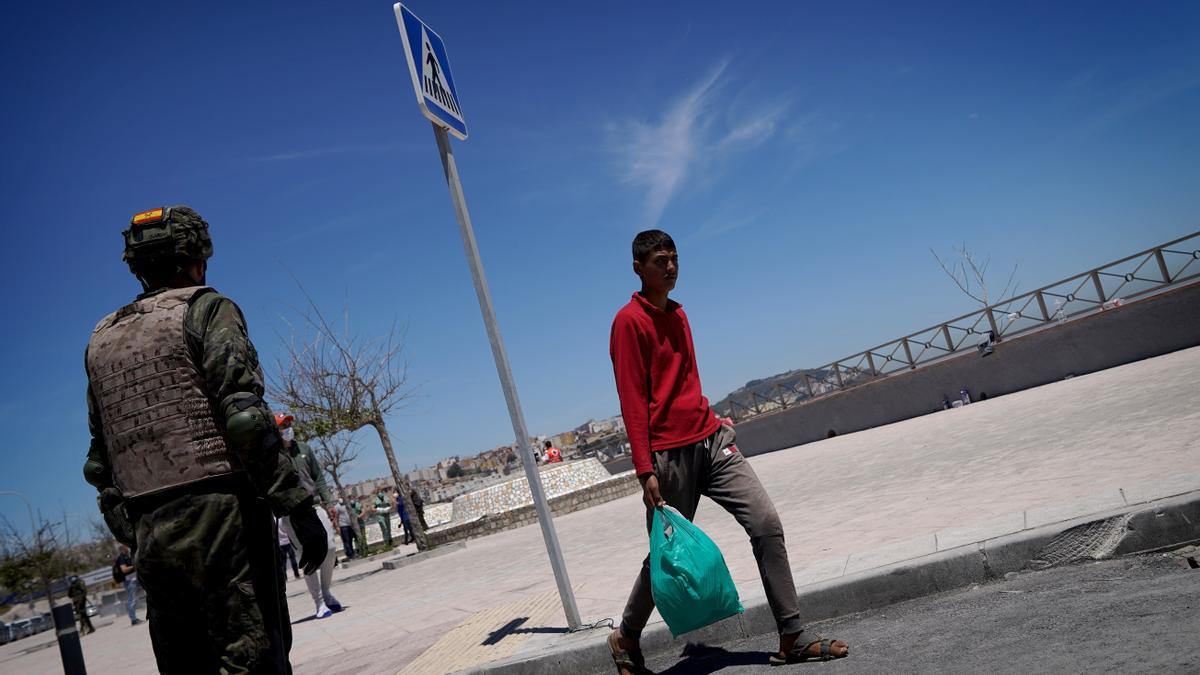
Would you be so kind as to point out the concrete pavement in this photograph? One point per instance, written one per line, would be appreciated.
(1128, 530)
(1122, 436)
(1135, 615)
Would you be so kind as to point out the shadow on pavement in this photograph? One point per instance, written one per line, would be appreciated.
(313, 617)
(699, 659)
(514, 628)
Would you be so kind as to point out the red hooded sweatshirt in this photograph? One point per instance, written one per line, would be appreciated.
(657, 381)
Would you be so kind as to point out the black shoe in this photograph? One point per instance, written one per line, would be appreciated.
(135, 622)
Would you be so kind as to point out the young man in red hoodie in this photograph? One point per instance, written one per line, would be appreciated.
(681, 450)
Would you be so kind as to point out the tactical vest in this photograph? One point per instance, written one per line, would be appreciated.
(158, 422)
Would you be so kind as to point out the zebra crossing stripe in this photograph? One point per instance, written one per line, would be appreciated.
(438, 93)
(429, 65)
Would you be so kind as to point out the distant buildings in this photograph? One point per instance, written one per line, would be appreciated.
(369, 487)
(427, 474)
(604, 439)
(615, 424)
(564, 440)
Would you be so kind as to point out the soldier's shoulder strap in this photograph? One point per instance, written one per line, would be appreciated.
(202, 304)
(142, 304)
(106, 321)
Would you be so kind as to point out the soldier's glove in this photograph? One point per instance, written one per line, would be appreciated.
(310, 531)
(112, 508)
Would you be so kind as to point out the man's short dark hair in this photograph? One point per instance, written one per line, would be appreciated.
(547, 444)
(650, 241)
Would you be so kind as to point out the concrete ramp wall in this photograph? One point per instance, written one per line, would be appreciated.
(1149, 327)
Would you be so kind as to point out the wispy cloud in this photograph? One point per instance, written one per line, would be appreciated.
(756, 130)
(656, 157)
(727, 221)
(702, 130)
(810, 137)
(697, 127)
(349, 149)
(368, 262)
(1142, 96)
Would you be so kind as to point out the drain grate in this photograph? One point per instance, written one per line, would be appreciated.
(1091, 541)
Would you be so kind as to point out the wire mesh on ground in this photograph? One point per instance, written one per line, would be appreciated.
(1090, 541)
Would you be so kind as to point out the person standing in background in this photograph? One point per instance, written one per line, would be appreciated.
(312, 478)
(346, 530)
(409, 537)
(360, 520)
(383, 514)
(77, 591)
(129, 581)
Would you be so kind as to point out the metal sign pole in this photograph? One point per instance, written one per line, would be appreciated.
(506, 379)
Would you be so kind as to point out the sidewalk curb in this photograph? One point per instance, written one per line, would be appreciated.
(1150, 526)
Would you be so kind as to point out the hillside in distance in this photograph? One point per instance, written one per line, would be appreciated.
(791, 385)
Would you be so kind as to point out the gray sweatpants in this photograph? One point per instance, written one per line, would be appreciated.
(713, 467)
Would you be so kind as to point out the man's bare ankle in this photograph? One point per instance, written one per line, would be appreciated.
(627, 643)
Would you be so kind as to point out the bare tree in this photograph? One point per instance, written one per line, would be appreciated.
(98, 551)
(347, 382)
(334, 448)
(35, 558)
(335, 453)
(971, 275)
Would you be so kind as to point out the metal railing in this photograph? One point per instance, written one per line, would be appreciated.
(1171, 264)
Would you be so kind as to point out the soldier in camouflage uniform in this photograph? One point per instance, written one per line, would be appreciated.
(187, 461)
(77, 591)
(360, 519)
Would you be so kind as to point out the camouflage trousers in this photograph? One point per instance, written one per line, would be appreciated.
(360, 546)
(214, 596)
(85, 621)
(385, 526)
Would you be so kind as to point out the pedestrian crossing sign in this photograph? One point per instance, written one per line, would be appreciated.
(430, 70)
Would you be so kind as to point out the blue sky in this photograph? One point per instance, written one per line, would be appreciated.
(805, 156)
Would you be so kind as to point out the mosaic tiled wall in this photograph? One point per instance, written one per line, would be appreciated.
(556, 480)
(437, 514)
(569, 487)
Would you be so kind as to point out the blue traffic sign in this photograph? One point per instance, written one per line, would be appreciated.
(430, 70)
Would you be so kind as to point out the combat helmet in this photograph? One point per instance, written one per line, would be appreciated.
(165, 237)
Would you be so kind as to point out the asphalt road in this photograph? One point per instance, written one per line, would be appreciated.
(1136, 615)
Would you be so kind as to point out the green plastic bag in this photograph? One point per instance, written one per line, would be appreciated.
(688, 577)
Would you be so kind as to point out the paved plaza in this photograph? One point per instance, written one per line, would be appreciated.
(1091, 443)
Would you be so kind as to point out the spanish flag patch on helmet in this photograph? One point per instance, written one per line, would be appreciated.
(151, 216)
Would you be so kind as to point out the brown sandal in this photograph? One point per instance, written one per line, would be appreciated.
(799, 654)
(627, 661)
